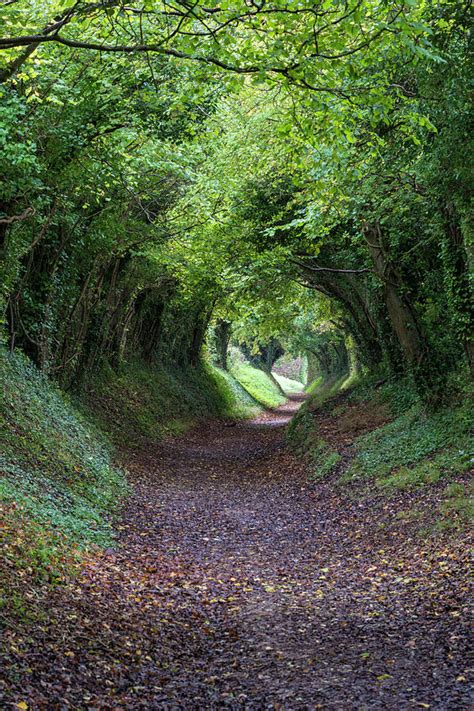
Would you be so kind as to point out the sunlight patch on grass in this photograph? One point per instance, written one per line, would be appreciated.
(258, 385)
(291, 387)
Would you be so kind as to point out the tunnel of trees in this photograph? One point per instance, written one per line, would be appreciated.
(236, 354)
(289, 170)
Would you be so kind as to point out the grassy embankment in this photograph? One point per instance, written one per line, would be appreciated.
(261, 387)
(289, 385)
(384, 437)
(143, 403)
(59, 485)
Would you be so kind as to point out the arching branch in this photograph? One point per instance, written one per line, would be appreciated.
(330, 269)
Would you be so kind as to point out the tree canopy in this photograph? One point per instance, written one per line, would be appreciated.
(295, 169)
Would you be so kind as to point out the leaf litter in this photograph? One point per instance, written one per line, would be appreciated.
(236, 583)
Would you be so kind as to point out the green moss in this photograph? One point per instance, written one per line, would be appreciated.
(239, 402)
(322, 394)
(300, 431)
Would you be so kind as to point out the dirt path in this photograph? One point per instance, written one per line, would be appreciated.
(237, 584)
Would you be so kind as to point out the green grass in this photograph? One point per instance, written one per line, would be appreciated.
(302, 435)
(300, 432)
(145, 402)
(241, 404)
(416, 448)
(457, 508)
(257, 383)
(323, 459)
(288, 385)
(311, 387)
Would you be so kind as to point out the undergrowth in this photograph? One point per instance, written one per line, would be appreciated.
(457, 507)
(58, 486)
(324, 459)
(311, 387)
(301, 429)
(401, 445)
(54, 464)
(416, 447)
(302, 434)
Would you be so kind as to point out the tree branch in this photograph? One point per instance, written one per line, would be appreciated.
(17, 218)
(330, 269)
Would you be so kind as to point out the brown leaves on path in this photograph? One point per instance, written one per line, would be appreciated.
(236, 584)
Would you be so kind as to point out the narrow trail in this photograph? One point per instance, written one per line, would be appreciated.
(237, 584)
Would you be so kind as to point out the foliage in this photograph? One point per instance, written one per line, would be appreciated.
(286, 177)
(457, 508)
(416, 448)
(290, 167)
(398, 393)
(55, 465)
(324, 460)
(59, 488)
(42, 552)
(301, 434)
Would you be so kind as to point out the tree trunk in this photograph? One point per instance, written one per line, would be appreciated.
(401, 314)
(344, 288)
(222, 337)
